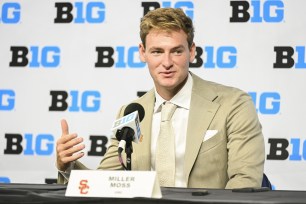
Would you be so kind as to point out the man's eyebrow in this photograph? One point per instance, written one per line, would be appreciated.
(178, 47)
(155, 48)
(174, 48)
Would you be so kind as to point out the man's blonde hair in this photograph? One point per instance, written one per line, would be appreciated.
(166, 19)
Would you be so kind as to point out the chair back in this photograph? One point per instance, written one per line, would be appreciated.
(266, 182)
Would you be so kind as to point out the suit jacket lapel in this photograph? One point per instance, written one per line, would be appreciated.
(201, 113)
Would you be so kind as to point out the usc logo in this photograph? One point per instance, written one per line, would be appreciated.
(83, 186)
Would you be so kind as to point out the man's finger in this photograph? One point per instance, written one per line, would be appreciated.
(64, 125)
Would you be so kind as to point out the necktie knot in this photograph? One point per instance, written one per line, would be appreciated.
(167, 111)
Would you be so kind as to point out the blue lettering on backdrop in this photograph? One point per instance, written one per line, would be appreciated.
(267, 11)
(226, 57)
(5, 179)
(186, 6)
(10, 13)
(42, 59)
(94, 13)
(267, 102)
(90, 101)
(7, 99)
(43, 146)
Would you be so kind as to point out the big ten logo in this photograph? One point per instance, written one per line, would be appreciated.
(29, 144)
(80, 12)
(286, 58)
(7, 99)
(5, 179)
(281, 150)
(124, 57)
(43, 144)
(187, 6)
(86, 101)
(47, 56)
(267, 102)
(10, 13)
(270, 11)
(124, 120)
(215, 57)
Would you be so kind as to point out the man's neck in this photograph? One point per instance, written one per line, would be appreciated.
(168, 94)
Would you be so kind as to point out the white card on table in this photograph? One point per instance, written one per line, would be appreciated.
(117, 184)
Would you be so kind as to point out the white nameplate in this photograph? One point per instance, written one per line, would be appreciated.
(118, 184)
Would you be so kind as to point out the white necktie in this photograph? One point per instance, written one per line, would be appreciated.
(165, 149)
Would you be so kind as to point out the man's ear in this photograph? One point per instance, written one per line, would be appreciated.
(142, 52)
(192, 53)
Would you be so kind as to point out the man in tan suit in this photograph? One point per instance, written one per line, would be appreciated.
(218, 138)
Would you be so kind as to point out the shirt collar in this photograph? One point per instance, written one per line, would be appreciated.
(181, 99)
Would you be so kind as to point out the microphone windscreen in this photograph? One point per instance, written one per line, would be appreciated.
(135, 107)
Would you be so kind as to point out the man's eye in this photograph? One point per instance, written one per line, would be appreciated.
(178, 52)
(156, 52)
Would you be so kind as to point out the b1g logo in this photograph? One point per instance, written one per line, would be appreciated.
(286, 55)
(10, 13)
(221, 57)
(187, 6)
(43, 144)
(126, 57)
(279, 149)
(28, 144)
(270, 11)
(87, 101)
(80, 12)
(35, 57)
(267, 102)
(7, 99)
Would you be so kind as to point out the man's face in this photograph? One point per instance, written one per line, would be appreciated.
(167, 56)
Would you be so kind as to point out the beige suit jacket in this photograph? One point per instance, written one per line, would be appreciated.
(233, 158)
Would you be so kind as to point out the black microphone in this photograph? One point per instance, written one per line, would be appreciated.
(133, 107)
(127, 128)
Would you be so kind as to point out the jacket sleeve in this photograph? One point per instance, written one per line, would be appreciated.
(61, 179)
(246, 153)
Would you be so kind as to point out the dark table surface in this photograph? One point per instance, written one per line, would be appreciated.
(54, 193)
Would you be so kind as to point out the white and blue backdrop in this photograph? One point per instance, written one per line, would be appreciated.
(79, 60)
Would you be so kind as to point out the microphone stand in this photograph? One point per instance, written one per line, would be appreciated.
(127, 134)
(129, 151)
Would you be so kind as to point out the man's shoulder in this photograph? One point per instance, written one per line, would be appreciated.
(215, 86)
(220, 91)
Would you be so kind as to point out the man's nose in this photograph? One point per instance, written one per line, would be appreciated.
(167, 61)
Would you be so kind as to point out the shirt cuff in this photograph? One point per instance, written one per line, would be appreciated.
(66, 174)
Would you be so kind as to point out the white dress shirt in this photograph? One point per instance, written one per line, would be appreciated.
(179, 123)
